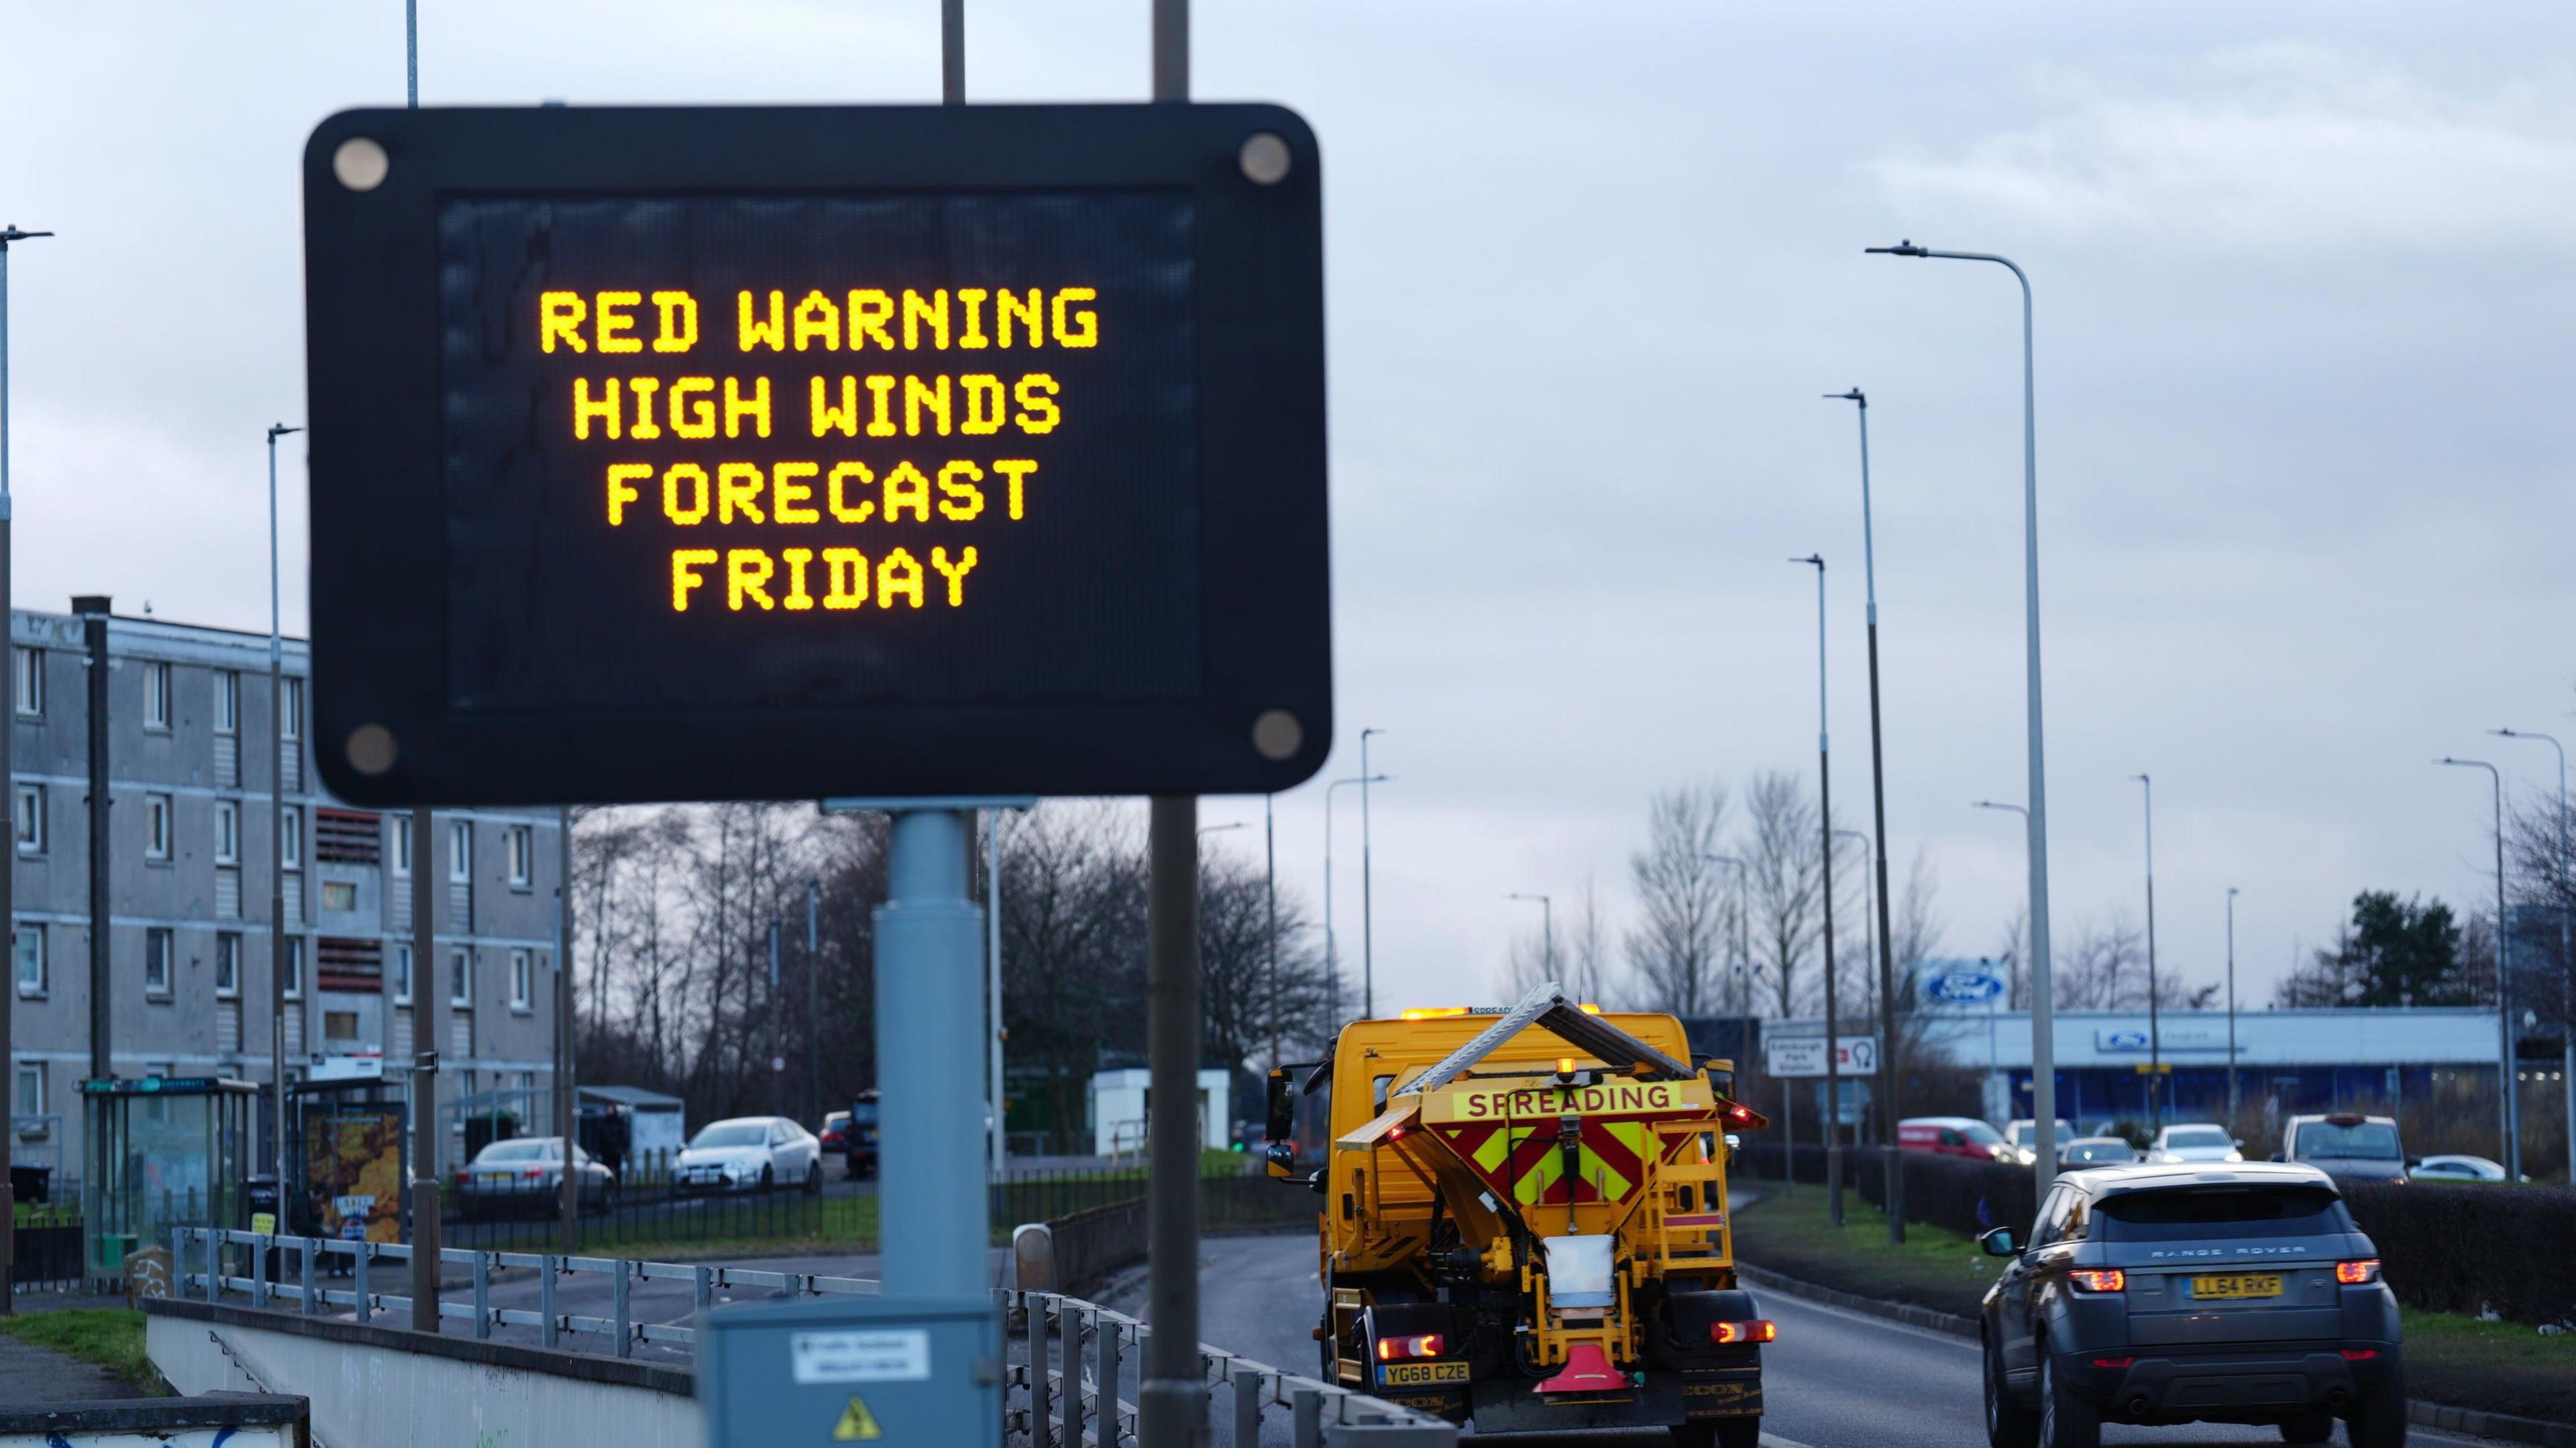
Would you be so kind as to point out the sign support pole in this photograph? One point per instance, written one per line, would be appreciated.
(929, 935)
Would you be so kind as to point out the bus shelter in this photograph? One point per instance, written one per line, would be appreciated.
(158, 1153)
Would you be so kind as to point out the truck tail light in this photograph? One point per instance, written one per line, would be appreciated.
(2359, 1272)
(1428, 1345)
(2099, 1279)
(1728, 1334)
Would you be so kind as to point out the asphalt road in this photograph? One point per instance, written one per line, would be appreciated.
(1835, 1379)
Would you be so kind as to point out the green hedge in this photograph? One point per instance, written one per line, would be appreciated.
(2472, 1249)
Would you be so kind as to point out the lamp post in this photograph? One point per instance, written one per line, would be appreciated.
(1207, 830)
(1887, 1071)
(2233, 1106)
(2155, 1036)
(1743, 928)
(9, 867)
(1332, 968)
(1270, 891)
(277, 818)
(2504, 981)
(2566, 960)
(1368, 938)
(2043, 1045)
(2044, 1126)
(1547, 932)
(1833, 1006)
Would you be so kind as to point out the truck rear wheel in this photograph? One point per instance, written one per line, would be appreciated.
(1718, 1433)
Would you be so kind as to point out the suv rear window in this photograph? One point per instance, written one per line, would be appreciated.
(2335, 1141)
(2176, 1213)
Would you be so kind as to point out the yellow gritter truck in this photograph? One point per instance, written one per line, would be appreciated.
(1524, 1221)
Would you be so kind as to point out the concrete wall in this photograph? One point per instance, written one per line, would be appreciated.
(377, 1387)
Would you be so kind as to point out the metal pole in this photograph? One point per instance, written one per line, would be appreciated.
(2233, 1104)
(1368, 950)
(2043, 1022)
(1332, 964)
(929, 1034)
(101, 927)
(813, 1005)
(411, 53)
(1888, 1073)
(1878, 1006)
(8, 711)
(952, 52)
(1833, 1006)
(1270, 888)
(2504, 983)
(567, 1116)
(277, 820)
(996, 1031)
(2155, 1035)
(425, 977)
(2566, 959)
(1547, 932)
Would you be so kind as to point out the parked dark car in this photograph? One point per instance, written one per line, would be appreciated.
(2191, 1293)
(2346, 1144)
(861, 1150)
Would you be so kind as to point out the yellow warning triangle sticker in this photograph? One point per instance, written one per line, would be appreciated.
(857, 1423)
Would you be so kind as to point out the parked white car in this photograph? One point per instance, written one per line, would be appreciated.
(2457, 1169)
(2201, 1142)
(749, 1153)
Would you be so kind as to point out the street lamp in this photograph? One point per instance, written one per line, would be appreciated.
(2043, 1076)
(1547, 928)
(1743, 929)
(2232, 1105)
(1207, 830)
(8, 699)
(2043, 1042)
(1368, 919)
(1887, 1072)
(1825, 829)
(1332, 970)
(1895, 1199)
(2155, 1037)
(2504, 980)
(2566, 960)
(277, 819)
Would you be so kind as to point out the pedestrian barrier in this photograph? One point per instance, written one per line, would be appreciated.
(1069, 1357)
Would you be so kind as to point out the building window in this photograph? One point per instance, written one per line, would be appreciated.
(339, 1025)
(31, 1088)
(295, 967)
(156, 696)
(227, 832)
(523, 856)
(460, 851)
(227, 702)
(228, 946)
(460, 978)
(339, 895)
(31, 819)
(158, 945)
(34, 970)
(290, 722)
(156, 827)
(399, 826)
(523, 979)
(31, 683)
(402, 974)
(290, 838)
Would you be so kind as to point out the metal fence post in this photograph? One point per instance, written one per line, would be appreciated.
(1041, 1400)
(367, 1250)
(1069, 1323)
(259, 1269)
(214, 1284)
(1107, 1348)
(483, 1294)
(546, 1298)
(625, 1332)
(1248, 1388)
(307, 1274)
(702, 1291)
(1306, 1418)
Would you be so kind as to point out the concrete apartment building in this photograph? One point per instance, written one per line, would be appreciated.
(190, 889)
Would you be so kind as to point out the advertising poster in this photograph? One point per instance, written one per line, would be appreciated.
(354, 1172)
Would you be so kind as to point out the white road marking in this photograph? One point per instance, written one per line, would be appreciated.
(1774, 1440)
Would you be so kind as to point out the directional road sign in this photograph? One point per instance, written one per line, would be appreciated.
(794, 452)
(1801, 1056)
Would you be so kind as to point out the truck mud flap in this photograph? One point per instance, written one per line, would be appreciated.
(1511, 1405)
(1733, 1393)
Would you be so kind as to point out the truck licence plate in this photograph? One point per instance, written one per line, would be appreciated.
(2236, 1284)
(1410, 1375)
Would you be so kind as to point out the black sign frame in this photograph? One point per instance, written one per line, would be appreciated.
(384, 734)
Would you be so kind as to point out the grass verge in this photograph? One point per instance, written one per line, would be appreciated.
(2501, 1367)
(111, 1337)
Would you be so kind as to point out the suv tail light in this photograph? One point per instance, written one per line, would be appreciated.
(2357, 1273)
(1428, 1345)
(1727, 1334)
(2099, 1279)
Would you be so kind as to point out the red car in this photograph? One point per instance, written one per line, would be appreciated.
(1953, 1136)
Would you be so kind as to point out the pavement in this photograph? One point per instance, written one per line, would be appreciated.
(32, 1376)
(1835, 1379)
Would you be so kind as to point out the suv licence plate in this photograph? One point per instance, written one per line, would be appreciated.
(1408, 1375)
(2236, 1284)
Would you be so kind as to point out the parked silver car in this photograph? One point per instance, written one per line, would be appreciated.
(749, 1153)
(525, 1175)
(2191, 1293)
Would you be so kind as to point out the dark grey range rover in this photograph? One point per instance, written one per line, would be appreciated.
(2191, 1292)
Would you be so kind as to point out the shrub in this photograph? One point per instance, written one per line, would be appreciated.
(2460, 1248)
(1952, 1191)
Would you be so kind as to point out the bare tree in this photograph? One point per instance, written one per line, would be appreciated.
(1788, 888)
(1245, 1004)
(1674, 953)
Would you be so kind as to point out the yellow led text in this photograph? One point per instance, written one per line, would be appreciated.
(908, 320)
(611, 319)
(756, 578)
(847, 492)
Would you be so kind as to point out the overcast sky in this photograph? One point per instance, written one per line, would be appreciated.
(2303, 308)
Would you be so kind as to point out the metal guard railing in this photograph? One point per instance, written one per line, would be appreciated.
(1052, 1339)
